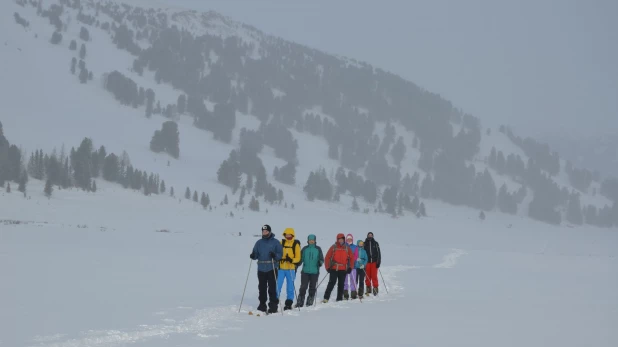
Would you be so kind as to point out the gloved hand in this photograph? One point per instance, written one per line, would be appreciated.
(362, 266)
(252, 256)
(288, 259)
(348, 271)
(377, 265)
(272, 255)
(328, 270)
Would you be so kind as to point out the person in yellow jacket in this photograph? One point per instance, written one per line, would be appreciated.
(287, 267)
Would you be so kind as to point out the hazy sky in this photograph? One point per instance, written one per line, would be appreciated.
(521, 63)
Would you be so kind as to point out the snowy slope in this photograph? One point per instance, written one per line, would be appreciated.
(93, 112)
(88, 270)
(84, 269)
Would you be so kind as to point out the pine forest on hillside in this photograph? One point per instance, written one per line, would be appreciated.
(374, 124)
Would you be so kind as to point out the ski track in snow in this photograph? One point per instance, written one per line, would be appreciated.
(205, 323)
(450, 260)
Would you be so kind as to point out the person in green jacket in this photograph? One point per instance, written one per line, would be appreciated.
(311, 259)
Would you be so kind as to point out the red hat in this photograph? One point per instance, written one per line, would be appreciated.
(340, 236)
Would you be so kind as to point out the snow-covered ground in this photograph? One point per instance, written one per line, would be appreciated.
(84, 269)
(91, 270)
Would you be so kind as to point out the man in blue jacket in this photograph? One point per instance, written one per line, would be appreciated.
(268, 252)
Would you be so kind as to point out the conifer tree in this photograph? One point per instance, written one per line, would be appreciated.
(249, 183)
(195, 195)
(574, 210)
(280, 195)
(188, 193)
(203, 201)
(355, 207)
(493, 157)
(415, 205)
(22, 182)
(426, 187)
(398, 151)
(48, 188)
(241, 200)
(254, 205)
(82, 51)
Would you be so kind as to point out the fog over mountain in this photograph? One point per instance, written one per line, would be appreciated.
(147, 148)
(539, 66)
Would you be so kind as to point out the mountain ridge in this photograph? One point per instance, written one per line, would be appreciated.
(345, 128)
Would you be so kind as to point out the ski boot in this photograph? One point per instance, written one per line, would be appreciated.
(360, 292)
(310, 301)
(346, 295)
(375, 291)
(325, 301)
(354, 294)
(300, 301)
(368, 292)
(273, 306)
(262, 307)
(288, 305)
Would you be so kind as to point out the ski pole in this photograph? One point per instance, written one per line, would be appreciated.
(247, 280)
(323, 278)
(383, 281)
(272, 261)
(316, 289)
(296, 292)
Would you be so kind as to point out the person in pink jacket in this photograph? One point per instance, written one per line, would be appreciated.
(350, 279)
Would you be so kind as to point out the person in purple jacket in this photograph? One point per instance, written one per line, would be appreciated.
(350, 279)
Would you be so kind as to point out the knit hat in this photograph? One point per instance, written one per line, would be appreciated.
(311, 237)
(349, 236)
(270, 233)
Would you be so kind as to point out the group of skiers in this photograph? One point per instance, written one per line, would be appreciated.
(347, 264)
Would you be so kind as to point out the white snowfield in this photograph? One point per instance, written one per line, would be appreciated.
(116, 268)
(91, 270)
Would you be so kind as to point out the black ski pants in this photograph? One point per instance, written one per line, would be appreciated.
(267, 283)
(360, 278)
(307, 280)
(335, 277)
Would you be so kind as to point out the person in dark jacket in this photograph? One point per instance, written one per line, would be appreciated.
(311, 260)
(268, 252)
(374, 258)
